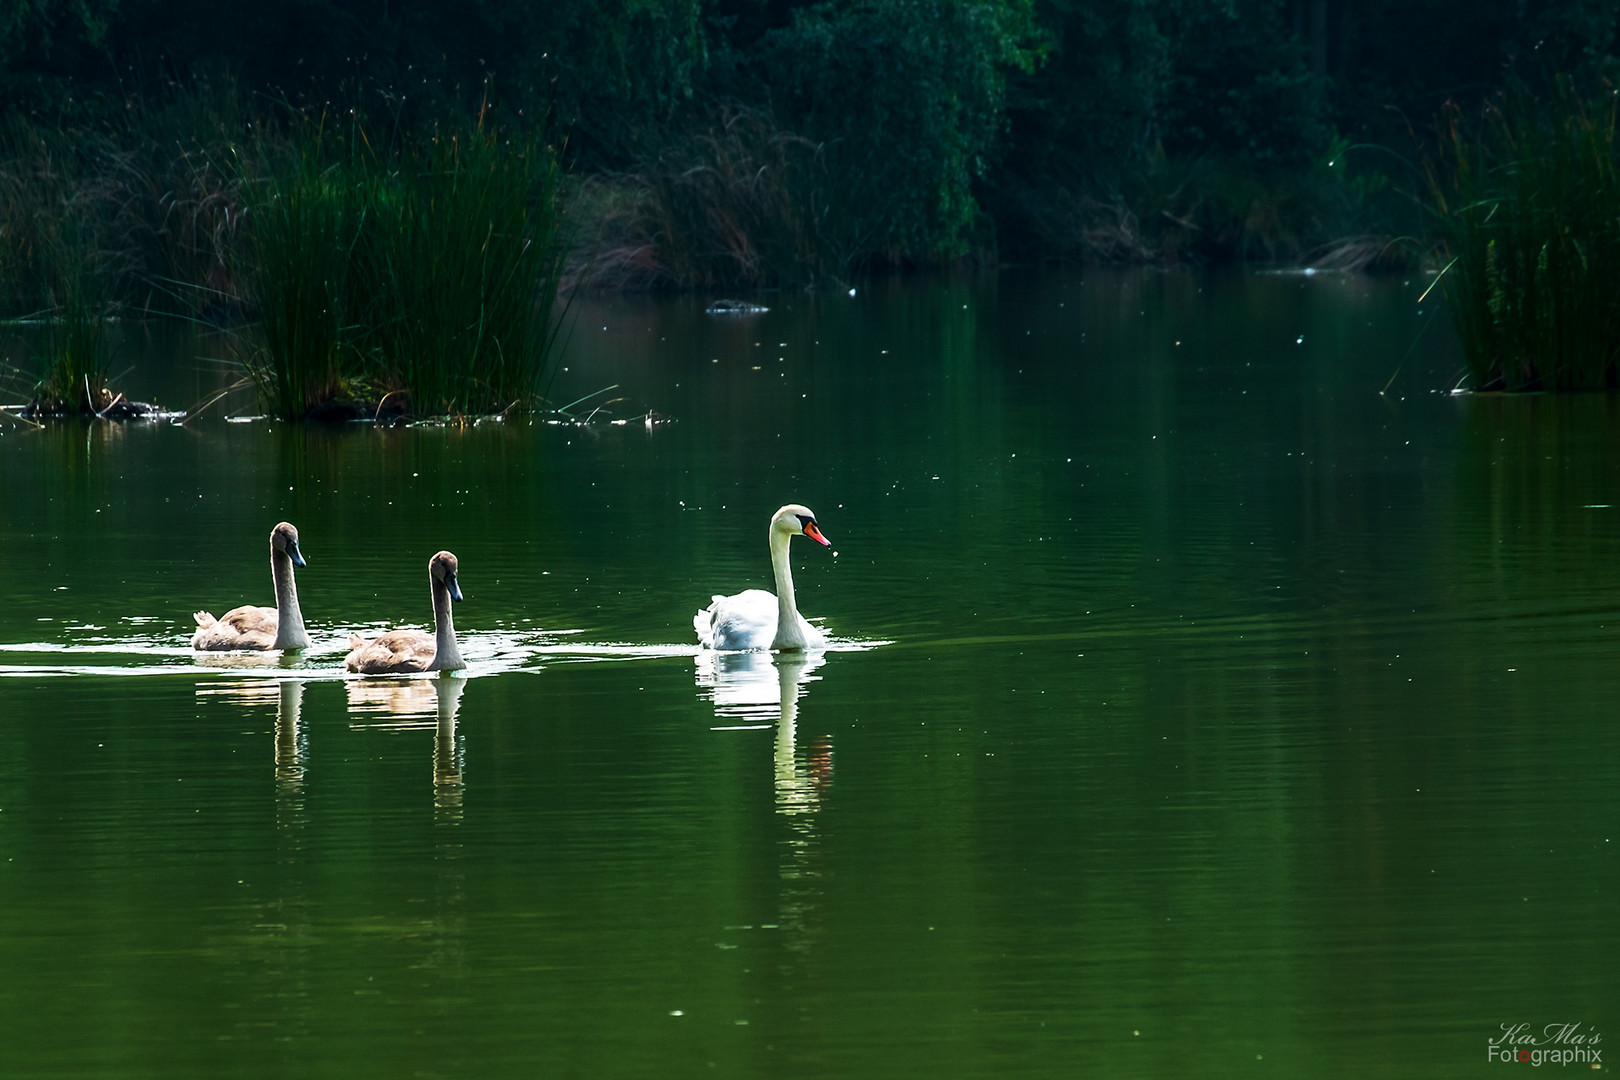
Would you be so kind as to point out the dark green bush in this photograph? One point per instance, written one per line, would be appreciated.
(742, 204)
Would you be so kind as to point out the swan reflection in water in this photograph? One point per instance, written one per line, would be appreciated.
(408, 704)
(757, 690)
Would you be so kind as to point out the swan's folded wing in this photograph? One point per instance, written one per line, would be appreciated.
(249, 619)
(396, 651)
(744, 621)
(245, 627)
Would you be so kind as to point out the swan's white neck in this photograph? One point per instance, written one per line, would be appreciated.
(446, 654)
(289, 620)
(789, 633)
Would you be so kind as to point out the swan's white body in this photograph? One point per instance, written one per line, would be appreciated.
(416, 650)
(261, 628)
(755, 619)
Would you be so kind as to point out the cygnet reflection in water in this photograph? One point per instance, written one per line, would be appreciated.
(448, 753)
(292, 744)
(416, 704)
(406, 703)
(245, 659)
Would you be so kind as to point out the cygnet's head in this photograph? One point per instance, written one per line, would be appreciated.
(798, 520)
(284, 538)
(443, 567)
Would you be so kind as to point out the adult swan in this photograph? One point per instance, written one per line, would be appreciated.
(754, 619)
(250, 627)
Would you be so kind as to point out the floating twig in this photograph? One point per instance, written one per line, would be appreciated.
(19, 414)
(564, 410)
(239, 384)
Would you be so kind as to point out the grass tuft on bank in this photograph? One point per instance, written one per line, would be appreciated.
(1528, 203)
(419, 278)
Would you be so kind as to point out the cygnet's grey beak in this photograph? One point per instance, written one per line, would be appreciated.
(294, 554)
(450, 583)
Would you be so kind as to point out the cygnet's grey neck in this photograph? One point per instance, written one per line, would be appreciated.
(290, 632)
(446, 654)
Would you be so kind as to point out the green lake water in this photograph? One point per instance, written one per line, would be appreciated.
(1212, 693)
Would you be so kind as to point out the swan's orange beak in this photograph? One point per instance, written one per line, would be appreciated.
(813, 531)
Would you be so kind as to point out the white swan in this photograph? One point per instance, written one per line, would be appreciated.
(754, 619)
(250, 627)
(416, 650)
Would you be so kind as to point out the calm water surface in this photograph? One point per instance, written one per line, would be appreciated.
(1195, 708)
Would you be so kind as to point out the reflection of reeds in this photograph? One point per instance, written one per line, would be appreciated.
(1529, 211)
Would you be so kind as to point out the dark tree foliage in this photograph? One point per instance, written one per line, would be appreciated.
(1089, 110)
(908, 96)
(939, 124)
(599, 73)
(1240, 84)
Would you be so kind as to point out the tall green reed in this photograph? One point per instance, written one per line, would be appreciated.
(420, 278)
(74, 359)
(57, 267)
(460, 256)
(1528, 203)
(301, 233)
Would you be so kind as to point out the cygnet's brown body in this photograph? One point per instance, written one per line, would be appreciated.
(415, 650)
(261, 628)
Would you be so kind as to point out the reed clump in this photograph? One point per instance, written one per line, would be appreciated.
(73, 375)
(418, 279)
(1528, 206)
(54, 269)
